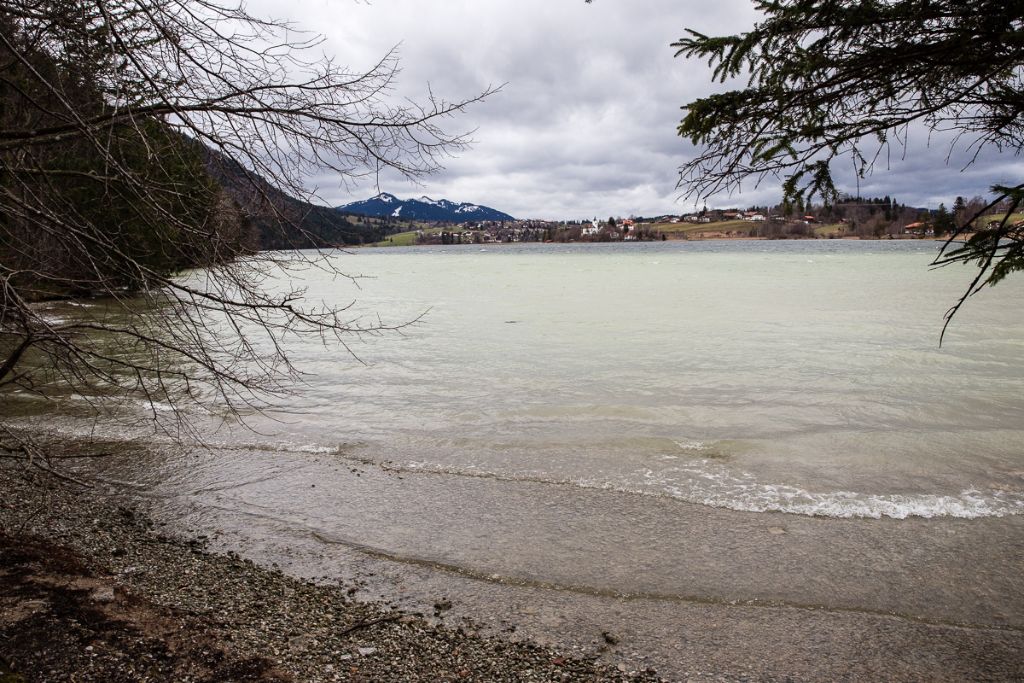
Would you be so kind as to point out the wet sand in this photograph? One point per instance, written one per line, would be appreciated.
(711, 595)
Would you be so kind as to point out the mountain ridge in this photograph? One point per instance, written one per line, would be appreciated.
(424, 208)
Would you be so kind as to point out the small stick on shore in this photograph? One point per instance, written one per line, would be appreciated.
(367, 624)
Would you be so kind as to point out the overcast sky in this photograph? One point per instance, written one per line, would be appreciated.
(585, 123)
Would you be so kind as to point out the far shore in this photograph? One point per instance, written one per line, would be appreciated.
(690, 237)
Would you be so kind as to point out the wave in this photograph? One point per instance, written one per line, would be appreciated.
(704, 480)
(286, 447)
(708, 483)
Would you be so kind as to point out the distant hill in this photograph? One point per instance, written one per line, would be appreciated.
(423, 209)
(282, 221)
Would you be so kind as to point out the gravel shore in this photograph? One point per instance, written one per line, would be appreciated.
(93, 590)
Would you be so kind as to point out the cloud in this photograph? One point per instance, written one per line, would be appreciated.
(585, 123)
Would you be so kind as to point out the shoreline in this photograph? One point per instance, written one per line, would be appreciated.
(92, 588)
(679, 237)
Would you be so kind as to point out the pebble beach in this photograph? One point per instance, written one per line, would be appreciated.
(92, 590)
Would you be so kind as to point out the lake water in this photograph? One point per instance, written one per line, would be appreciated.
(801, 377)
(676, 425)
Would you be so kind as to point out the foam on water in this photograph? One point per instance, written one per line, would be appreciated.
(703, 481)
(709, 483)
(688, 477)
(692, 445)
(159, 406)
(706, 482)
(284, 447)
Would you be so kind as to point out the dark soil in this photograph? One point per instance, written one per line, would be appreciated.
(61, 620)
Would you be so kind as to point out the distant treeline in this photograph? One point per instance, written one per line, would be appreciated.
(866, 217)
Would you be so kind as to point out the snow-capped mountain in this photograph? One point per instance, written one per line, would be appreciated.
(423, 209)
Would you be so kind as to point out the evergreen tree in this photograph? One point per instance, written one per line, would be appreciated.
(943, 223)
(848, 78)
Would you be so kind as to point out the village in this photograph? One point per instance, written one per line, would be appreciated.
(849, 218)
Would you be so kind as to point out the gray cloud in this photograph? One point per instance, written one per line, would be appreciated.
(585, 124)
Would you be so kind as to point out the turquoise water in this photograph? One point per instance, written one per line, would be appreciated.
(671, 441)
(802, 377)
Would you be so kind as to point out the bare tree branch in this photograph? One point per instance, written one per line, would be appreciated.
(148, 150)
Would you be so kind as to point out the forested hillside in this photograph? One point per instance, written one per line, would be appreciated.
(280, 221)
(81, 213)
(88, 213)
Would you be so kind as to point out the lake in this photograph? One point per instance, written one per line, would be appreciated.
(575, 438)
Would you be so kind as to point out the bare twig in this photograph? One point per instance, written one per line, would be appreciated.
(140, 139)
(367, 624)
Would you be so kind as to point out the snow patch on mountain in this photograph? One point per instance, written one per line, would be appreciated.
(424, 209)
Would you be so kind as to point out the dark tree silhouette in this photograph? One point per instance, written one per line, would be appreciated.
(849, 78)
